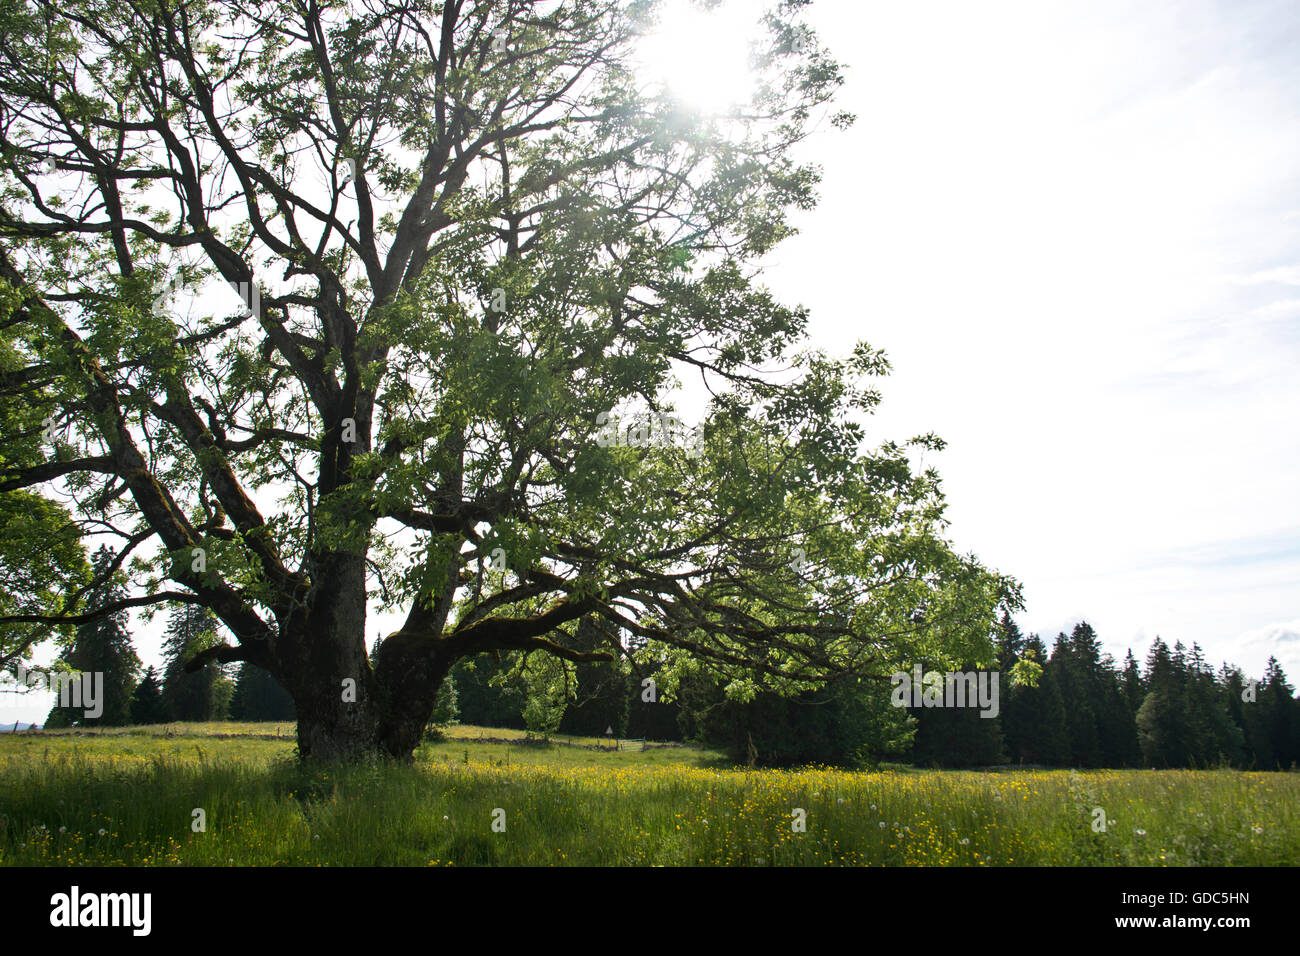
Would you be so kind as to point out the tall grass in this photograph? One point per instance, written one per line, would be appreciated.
(129, 799)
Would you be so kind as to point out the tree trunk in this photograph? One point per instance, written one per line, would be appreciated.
(324, 668)
(347, 709)
(384, 713)
(331, 730)
(320, 658)
(409, 672)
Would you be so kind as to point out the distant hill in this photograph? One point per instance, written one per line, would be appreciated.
(17, 725)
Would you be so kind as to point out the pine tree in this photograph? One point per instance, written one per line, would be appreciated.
(147, 703)
(1162, 719)
(204, 694)
(102, 646)
(1134, 689)
(1116, 722)
(958, 736)
(258, 696)
(1073, 662)
(1277, 706)
(1011, 647)
(1214, 737)
(1044, 739)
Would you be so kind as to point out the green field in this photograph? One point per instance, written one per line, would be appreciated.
(128, 797)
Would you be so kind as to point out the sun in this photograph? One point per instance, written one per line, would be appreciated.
(700, 55)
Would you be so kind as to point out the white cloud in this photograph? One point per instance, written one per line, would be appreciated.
(1280, 640)
(1064, 223)
(1283, 275)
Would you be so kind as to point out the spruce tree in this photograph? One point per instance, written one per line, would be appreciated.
(258, 696)
(1214, 737)
(1116, 722)
(959, 736)
(1132, 683)
(1040, 711)
(1162, 718)
(102, 647)
(446, 708)
(1278, 708)
(1072, 663)
(1232, 686)
(204, 694)
(848, 723)
(1052, 741)
(147, 703)
(1011, 647)
(653, 716)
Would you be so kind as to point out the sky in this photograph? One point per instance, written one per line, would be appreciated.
(1075, 230)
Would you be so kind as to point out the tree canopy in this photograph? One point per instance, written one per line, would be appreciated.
(341, 303)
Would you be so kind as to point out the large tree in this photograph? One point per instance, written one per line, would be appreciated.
(461, 235)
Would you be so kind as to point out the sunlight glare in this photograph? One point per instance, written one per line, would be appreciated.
(701, 56)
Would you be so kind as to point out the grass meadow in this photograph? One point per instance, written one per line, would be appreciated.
(128, 798)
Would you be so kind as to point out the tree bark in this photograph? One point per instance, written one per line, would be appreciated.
(383, 714)
(409, 672)
(319, 656)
